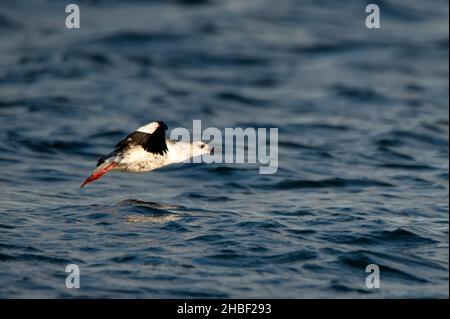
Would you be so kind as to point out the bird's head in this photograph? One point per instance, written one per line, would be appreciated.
(200, 148)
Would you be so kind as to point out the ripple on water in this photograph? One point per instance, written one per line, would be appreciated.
(398, 237)
(288, 184)
(230, 258)
(402, 267)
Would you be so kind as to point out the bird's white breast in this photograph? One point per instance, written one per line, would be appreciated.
(136, 159)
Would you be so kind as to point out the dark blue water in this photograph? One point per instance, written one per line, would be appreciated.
(363, 163)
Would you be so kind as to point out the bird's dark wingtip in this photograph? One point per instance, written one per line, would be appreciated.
(163, 125)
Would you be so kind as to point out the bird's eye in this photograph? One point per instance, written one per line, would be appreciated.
(202, 146)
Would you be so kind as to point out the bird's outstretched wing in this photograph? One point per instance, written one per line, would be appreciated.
(152, 138)
(153, 141)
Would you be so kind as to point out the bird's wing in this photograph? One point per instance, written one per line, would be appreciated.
(152, 138)
(154, 142)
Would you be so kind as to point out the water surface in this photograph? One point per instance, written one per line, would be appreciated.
(363, 154)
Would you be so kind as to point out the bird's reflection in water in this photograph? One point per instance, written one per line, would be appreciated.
(146, 204)
(139, 211)
(132, 219)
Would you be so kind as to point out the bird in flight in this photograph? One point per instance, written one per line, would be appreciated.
(147, 149)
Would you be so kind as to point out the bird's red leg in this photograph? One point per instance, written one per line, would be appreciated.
(97, 174)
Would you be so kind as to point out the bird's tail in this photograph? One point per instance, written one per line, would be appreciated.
(99, 172)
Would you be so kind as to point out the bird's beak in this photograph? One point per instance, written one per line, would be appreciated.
(98, 173)
(91, 178)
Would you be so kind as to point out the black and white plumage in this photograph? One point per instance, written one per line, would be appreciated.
(147, 149)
